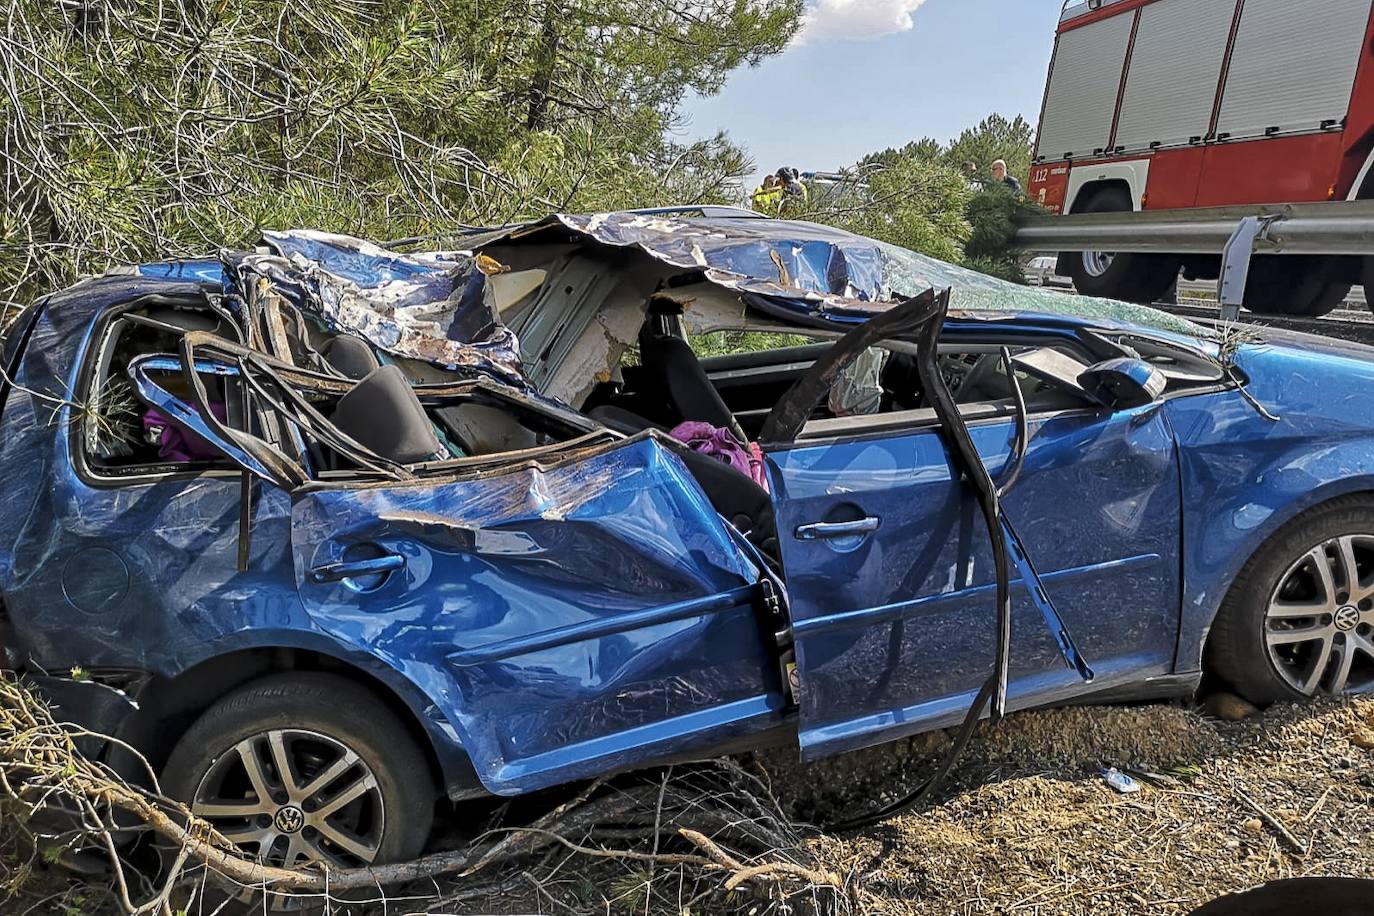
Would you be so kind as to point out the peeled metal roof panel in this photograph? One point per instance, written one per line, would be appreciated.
(838, 276)
(433, 306)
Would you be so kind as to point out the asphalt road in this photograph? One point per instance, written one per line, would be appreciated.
(1353, 322)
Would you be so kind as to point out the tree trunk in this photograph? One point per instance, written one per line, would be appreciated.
(545, 61)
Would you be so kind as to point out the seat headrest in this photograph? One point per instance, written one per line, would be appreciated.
(350, 356)
(383, 413)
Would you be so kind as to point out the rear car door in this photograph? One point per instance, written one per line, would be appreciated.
(890, 574)
(567, 619)
(126, 559)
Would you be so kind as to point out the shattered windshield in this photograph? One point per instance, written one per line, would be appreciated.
(974, 291)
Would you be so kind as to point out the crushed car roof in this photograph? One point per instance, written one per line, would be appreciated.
(433, 305)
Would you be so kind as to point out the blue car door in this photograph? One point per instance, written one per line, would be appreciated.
(890, 573)
(567, 619)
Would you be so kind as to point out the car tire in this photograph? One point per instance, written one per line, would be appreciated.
(322, 724)
(1133, 277)
(1301, 286)
(1286, 630)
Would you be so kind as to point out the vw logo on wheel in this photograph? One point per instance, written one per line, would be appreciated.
(1347, 618)
(289, 819)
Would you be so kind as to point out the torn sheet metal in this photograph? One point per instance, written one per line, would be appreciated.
(833, 274)
(437, 306)
(569, 619)
(432, 306)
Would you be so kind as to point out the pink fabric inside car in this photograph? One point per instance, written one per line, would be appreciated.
(722, 445)
(175, 442)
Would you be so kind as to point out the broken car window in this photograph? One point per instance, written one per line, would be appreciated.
(120, 432)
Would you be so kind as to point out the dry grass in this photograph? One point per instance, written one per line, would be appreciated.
(1035, 831)
(1029, 827)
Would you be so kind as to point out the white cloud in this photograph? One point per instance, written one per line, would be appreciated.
(856, 19)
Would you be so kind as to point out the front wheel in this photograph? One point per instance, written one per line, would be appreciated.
(300, 769)
(1299, 619)
(1134, 277)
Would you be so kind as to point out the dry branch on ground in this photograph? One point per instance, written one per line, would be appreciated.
(1029, 828)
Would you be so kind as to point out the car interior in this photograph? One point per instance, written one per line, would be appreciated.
(381, 410)
(666, 384)
(663, 383)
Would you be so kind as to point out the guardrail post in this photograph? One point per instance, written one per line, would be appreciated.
(1235, 264)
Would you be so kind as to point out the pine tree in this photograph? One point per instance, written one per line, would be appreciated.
(132, 129)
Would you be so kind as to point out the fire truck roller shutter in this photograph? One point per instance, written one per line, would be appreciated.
(1134, 277)
(1293, 67)
(1171, 87)
(1084, 84)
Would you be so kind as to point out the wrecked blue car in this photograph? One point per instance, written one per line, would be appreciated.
(329, 531)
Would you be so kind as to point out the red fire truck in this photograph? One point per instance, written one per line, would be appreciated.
(1167, 105)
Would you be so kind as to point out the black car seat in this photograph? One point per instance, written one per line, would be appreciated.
(743, 503)
(382, 413)
(672, 372)
(622, 420)
(483, 429)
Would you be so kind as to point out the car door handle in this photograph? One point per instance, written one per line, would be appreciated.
(352, 569)
(819, 531)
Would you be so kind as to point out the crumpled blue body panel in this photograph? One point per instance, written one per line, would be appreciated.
(567, 620)
(429, 306)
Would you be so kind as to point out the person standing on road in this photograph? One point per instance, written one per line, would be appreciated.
(1000, 174)
(794, 192)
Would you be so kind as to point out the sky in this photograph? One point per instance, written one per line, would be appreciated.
(865, 75)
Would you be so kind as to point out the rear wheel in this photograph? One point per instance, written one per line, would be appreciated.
(1297, 285)
(302, 769)
(1299, 619)
(1133, 277)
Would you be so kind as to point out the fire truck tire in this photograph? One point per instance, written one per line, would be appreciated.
(1133, 277)
(1296, 285)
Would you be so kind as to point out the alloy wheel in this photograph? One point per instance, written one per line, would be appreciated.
(293, 797)
(1319, 625)
(1097, 263)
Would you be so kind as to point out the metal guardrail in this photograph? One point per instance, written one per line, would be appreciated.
(1336, 228)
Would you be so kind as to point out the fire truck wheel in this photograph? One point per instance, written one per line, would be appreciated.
(1133, 277)
(1301, 285)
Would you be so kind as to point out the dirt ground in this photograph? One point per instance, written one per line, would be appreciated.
(1027, 826)
(1033, 829)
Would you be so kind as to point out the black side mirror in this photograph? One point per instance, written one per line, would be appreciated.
(1123, 383)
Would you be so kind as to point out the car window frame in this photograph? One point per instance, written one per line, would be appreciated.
(867, 426)
(99, 342)
(589, 434)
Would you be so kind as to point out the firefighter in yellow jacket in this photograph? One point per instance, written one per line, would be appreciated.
(767, 197)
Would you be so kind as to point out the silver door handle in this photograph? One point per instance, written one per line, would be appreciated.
(818, 531)
(336, 571)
